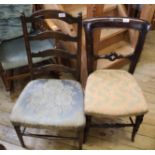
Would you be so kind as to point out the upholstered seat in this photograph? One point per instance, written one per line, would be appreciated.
(113, 93)
(50, 103)
(13, 52)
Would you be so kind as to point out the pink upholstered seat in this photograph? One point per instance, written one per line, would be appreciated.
(113, 93)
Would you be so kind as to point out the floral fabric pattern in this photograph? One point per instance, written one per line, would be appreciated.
(113, 93)
(50, 103)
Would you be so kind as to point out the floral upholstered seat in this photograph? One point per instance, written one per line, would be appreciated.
(113, 93)
(50, 103)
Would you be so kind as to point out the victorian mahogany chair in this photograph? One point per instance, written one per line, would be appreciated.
(114, 93)
(51, 103)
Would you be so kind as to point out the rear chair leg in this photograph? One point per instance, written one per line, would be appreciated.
(138, 121)
(4, 75)
(5, 81)
(19, 134)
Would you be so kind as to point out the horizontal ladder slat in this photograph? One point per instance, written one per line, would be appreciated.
(54, 52)
(54, 67)
(54, 35)
(52, 14)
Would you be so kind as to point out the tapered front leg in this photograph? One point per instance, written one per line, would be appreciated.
(19, 134)
(138, 121)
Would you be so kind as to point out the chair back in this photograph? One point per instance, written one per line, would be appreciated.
(55, 52)
(114, 22)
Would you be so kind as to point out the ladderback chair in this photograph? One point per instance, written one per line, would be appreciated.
(51, 103)
(112, 93)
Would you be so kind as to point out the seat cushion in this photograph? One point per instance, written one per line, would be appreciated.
(113, 93)
(13, 52)
(50, 104)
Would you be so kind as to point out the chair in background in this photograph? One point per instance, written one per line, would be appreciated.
(51, 103)
(113, 93)
(13, 55)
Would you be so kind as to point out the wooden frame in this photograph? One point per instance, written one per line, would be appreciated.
(115, 22)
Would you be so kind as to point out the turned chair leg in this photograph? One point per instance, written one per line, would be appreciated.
(138, 121)
(87, 127)
(19, 134)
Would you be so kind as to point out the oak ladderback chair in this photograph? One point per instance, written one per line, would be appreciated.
(51, 103)
(110, 92)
